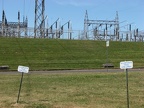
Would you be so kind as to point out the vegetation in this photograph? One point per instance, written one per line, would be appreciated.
(47, 54)
(72, 90)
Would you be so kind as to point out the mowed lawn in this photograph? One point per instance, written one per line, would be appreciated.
(72, 90)
(55, 54)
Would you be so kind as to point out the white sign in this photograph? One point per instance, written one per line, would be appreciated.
(107, 43)
(23, 69)
(126, 64)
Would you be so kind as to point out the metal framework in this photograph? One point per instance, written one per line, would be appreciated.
(93, 29)
(39, 24)
(13, 29)
(100, 28)
(56, 30)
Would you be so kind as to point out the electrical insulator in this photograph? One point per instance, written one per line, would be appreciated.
(68, 25)
(18, 15)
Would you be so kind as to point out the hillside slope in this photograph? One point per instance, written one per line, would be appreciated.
(47, 54)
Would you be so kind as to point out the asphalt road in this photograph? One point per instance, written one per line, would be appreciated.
(74, 71)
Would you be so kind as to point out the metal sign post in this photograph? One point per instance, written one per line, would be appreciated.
(127, 88)
(20, 87)
(126, 65)
(23, 70)
(107, 45)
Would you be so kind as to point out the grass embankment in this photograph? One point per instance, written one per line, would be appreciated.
(46, 54)
(72, 90)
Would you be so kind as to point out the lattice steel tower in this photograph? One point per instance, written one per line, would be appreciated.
(39, 24)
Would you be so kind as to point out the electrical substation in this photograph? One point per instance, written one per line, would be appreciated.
(93, 29)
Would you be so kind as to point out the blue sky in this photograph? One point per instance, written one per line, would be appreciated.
(130, 11)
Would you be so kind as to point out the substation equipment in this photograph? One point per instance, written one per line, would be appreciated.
(93, 29)
(110, 30)
(13, 29)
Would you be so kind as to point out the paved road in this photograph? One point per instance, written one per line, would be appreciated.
(74, 71)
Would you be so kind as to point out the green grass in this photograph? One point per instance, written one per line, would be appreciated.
(72, 90)
(47, 54)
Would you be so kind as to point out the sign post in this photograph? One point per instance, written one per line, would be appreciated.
(126, 65)
(22, 69)
(127, 88)
(107, 45)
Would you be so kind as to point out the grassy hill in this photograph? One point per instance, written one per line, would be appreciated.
(47, 54)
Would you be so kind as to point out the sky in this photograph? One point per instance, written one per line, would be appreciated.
(130, 11)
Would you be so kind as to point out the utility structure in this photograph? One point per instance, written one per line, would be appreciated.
(56, 30)
(101, 29)
(69, 29)
(39, 24)
(13, 29)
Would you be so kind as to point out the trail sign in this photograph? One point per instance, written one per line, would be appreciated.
(126, 64)
(107, 43)
(23, 69)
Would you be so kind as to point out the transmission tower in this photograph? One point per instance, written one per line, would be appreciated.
(39, 24)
